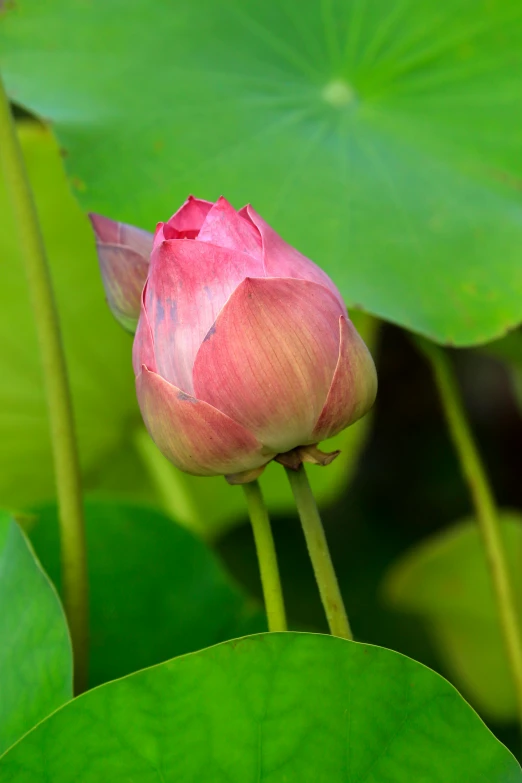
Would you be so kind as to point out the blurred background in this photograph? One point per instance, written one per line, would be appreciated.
(384, 143)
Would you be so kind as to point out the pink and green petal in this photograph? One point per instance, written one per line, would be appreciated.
(188, 284)
(224, 226)
(283, 260)
(193, 435)
(269, 359)
(123, 255)
(111, 232)
(354, 385)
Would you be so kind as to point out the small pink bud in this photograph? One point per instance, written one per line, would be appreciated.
(244, 349)
(123, 254)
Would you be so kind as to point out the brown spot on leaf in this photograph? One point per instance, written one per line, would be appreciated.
(79, 184)
(507, 178)
(7, 5)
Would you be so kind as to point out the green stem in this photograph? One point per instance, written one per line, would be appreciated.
(170, 485)
(485, 508)
(266, 555)
(74, 571)
(319, 554)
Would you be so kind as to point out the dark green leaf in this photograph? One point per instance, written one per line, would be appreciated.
(382, 139)
(272, 709)
(509, 351)
(155, 590)
(35, 650)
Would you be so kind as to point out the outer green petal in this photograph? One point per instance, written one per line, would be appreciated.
(193, 435)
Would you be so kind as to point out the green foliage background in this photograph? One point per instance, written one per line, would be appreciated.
(384, 141)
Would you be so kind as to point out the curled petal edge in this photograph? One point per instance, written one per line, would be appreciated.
(294, 459)
(143, 346)
(354, 384)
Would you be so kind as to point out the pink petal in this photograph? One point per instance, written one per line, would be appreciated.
(283, 260)
(111, 232)
(159, 236)
(143, 346)
(187, 221)
(354, 385)
(194, 436)
(226, 228)
(123, 254)
(189, 282)
(269, 359)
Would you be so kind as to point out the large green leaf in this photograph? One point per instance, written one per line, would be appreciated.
(156, 591)
(383, 139)
(35, 650)
(278, 708)
(445, 580)
(98, 351)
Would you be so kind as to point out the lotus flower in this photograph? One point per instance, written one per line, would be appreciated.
(244, 350)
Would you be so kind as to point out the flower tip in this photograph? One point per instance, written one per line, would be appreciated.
(105, 229)
(222, 201)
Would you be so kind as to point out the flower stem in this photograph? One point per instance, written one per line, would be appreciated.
(266, 554)
(319, 554)
(67, 472)
(475, 475)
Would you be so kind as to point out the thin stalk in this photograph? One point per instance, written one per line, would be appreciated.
(485, 508)
(319, 554)
(266, 555)
(171, 485)
(65, 454)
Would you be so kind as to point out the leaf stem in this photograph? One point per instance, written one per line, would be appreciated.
(319, 554)
(170, 485)
(66, 464)
(266, 555)
(485, 508)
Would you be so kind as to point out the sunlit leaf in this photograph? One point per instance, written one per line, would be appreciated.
(98, 351)
(382, 139)
(445, 580)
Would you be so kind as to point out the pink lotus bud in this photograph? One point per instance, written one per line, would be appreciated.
(123, 253)
(244, 349)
